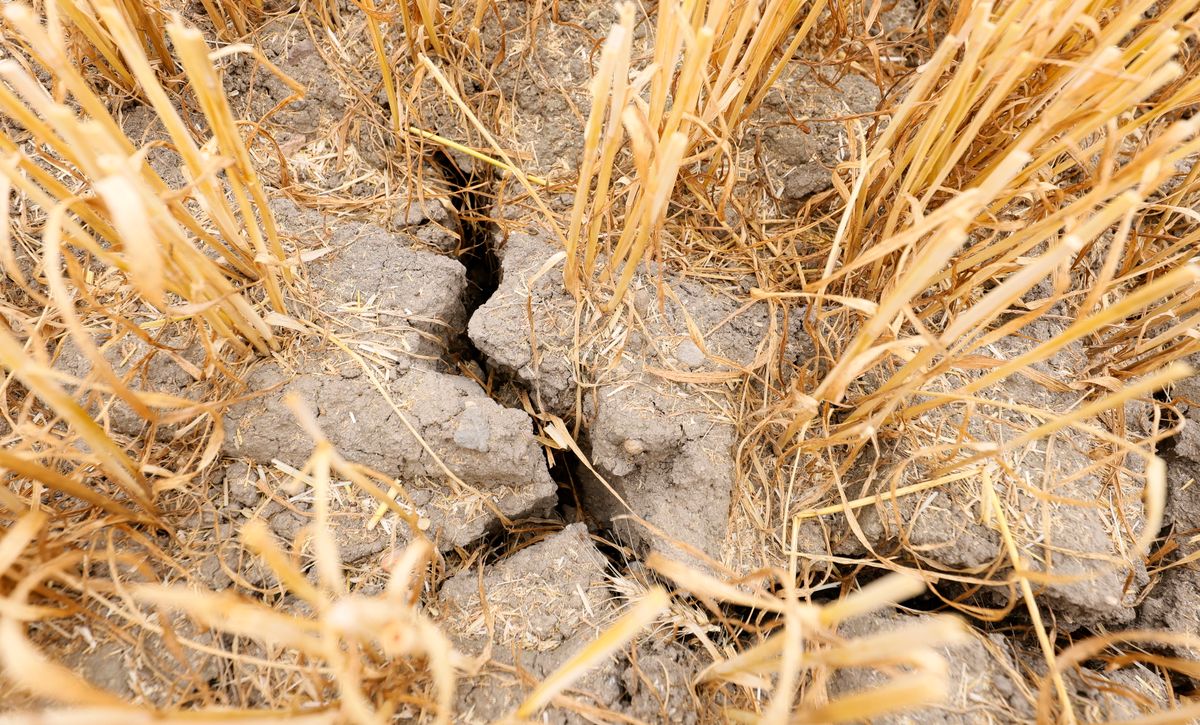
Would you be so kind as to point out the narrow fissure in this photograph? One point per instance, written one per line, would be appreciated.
(471, 204)
(477, 253)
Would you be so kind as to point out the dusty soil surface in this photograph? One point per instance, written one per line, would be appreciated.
(985, 681)
(445, 387)
(658, 446)
(535, 609)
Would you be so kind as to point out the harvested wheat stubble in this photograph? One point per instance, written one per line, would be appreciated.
(541, 59)
(654, 384)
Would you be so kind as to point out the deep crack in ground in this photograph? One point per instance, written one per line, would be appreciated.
(477, 253)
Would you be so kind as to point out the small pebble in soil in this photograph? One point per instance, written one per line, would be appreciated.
(473, 431)
(689, 354)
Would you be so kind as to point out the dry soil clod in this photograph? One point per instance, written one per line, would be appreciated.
(798, 135)
(540, 607)
(663, 445)
(488, 447)
(399, 309)
(984, 684)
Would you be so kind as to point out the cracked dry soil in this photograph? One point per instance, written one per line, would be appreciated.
(435, 327)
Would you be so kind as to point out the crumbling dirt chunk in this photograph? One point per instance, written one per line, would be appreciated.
(144, 129)
(798, 134)
(1085, 548)
(657, 438)
(538, 598)
(145, 670)
(896, 18)
(539, 57)
(215, 558)
(543, 604)
(1183, 495)
(1130, 693)
(984, 684)
(1098, 584)
(1085, 530)
(672, 465)
(1186, 395)
(380, 291)
(413, 224)
(662, 441)
(256, 494)
(318, 116)
(335, 137)
(480, 441)
(491, 449)
(1112, 695)
(524, 308)
(430, 220)
(1075, 510)
(287, 43)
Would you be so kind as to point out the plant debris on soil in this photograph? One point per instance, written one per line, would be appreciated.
(514, 361)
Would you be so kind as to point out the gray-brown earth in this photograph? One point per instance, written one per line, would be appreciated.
(538, 608)
(660, 445)
(392, 320)
(984, 684)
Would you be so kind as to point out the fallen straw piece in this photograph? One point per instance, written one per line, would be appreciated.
(886, 495)
(474, 154)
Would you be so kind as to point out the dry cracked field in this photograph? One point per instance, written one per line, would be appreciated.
(569, 361)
